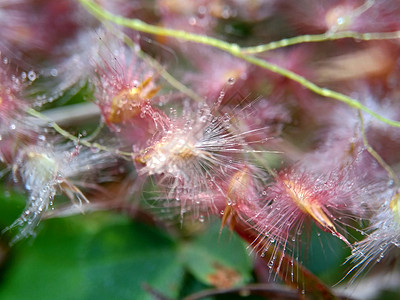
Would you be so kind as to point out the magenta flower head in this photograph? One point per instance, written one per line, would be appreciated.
(299, 198)
(239, 191)
(125, 87)
(193, 154)
(383, 235)
(44, 171)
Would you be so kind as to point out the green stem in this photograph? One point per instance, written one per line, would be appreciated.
(139, 25)
(313, 38)
(73, 138)
(233, 49)
(375, 154)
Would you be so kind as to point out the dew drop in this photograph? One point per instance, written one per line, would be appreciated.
(202, 10)
(192, 21)
(226, 12)
(231, 80)
(226, 118)
(340, 20)
(31, 75)
(53, 72)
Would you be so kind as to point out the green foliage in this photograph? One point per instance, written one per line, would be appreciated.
(108, 256)
(216, 259)
(99, 256)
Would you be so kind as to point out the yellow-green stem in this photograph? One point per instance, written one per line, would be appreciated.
(233, 49)
(73, 138)
(375, 154)
(328, 36)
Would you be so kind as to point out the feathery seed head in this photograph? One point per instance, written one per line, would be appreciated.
(195, 155)
(124, 83)
(298, 196)
(383, 235)
(44, 171)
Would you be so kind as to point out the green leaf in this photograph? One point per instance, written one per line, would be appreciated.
(99, 256)
(12, 205)
(217, 260)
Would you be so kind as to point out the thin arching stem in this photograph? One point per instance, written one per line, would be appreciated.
(73, 138)
(323, 37)
(375, 154)
(234, 50)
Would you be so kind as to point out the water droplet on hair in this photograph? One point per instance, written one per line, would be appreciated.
(202, 10)
(192, 21)
(31, 75)
(226, 12)
(226, 118)
(53, 72)
(231, 80)
(340, 20)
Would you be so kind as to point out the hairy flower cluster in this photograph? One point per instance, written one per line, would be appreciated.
(239, 132)
(46, 170)
(194, 154)
(43, 164)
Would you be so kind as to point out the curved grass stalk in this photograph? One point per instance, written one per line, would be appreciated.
(328, 36)
(374, 154)
(73, 138)
(234, 50)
